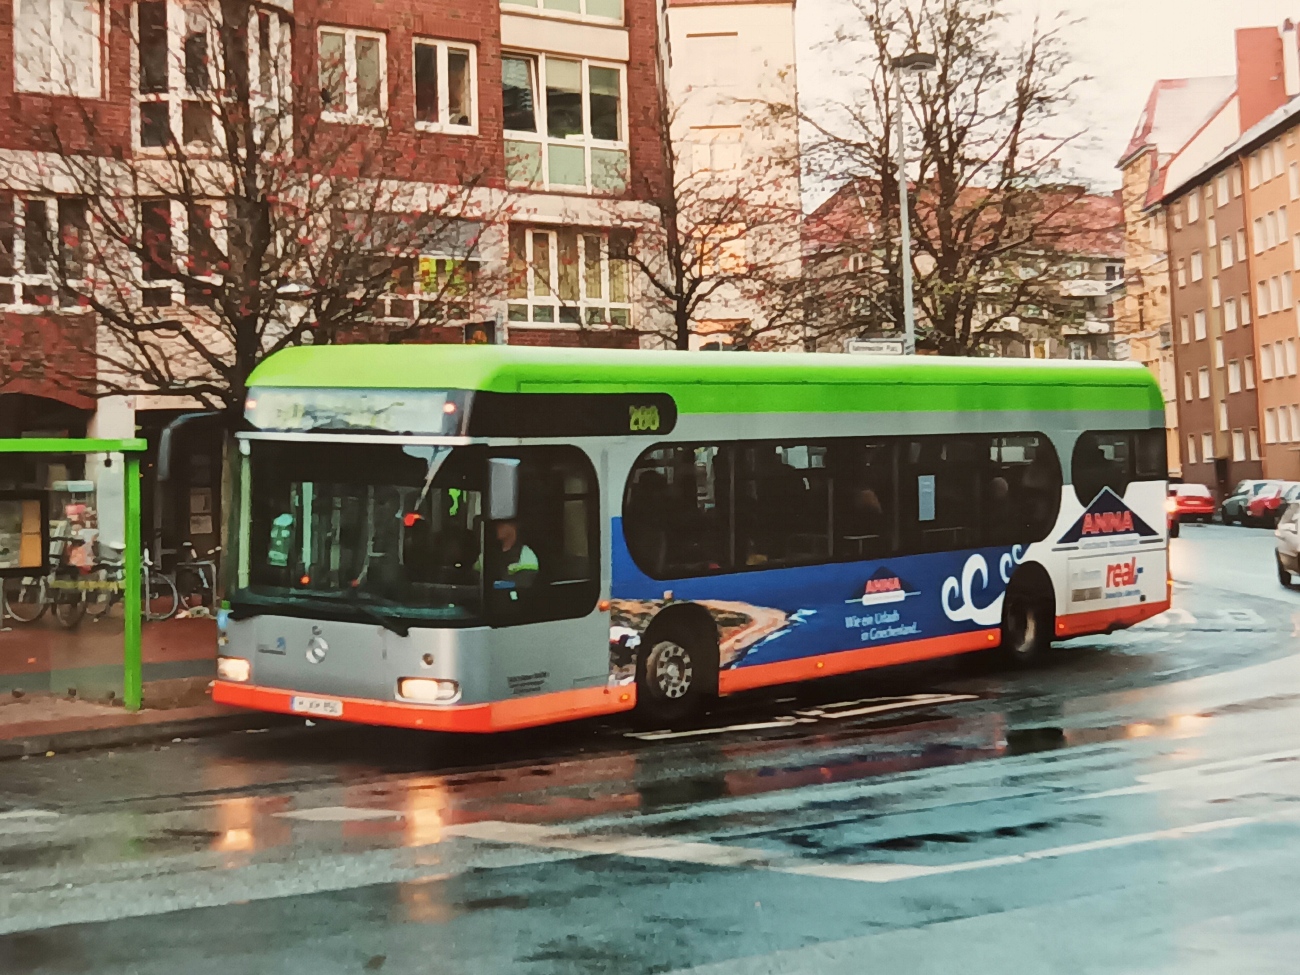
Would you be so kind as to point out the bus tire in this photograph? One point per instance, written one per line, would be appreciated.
(676, 672)
(1173, 528)
(1028, 621)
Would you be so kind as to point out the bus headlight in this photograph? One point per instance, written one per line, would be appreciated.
(235, 669)
(428, 691)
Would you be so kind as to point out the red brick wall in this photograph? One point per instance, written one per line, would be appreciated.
(48, 356)
(575, 338)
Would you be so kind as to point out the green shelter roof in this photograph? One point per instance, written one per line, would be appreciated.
(719, 382)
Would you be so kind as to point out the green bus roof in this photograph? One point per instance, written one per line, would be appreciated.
(719, 382)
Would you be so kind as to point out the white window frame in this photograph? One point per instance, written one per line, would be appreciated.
(1250, 372)
(1221, 188)
(180, 239)
(353, 116)
(1254, 443)
(1294, 173)
(1191, 448)
(443, 48)
(1261, 298)
(1198, 266)
(538, 8)
(1265, 362)
(436, 305)
(1198, 324)
(1188, 387)
(1270, 426)
(1218, 352)
(1234, 376)
(177, 92)
(1245, 310)
(1215, 295)
(528, 305)
(1283, 425)
(1238, 445)
(1258, 226)
(1193, 207)
(1207, 447)
(57, 35)
(1230, 314)
(1185, 329)
(587, 141)
(22, 279)
(1236, 182)
(1203, 382)
(1225, 253)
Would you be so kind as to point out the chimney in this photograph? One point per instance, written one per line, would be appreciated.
(1290, 59)
(1260, 85)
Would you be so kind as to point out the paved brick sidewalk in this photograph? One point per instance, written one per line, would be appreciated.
(41, 723)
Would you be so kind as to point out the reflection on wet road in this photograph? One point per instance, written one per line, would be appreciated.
(1126, 807)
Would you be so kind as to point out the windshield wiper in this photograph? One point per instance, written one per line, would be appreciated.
(394, 625)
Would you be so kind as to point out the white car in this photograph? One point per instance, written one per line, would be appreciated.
(1288, 544)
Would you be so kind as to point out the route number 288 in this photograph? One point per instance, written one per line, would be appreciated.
(642, 418)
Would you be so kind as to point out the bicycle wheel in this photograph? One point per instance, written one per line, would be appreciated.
(100, 601)
(69, 607)
(25, 598)
(160, 599)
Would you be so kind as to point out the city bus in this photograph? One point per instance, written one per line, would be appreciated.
(484, 538)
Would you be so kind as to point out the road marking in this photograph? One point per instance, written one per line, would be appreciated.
(827, 712)
(1173, 778)
(339, 814)
(718, 854)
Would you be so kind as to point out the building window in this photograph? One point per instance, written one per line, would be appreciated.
(174, 78)
(1234, 376)
(1250, 372)
(1287, 297)
(1193, 207)
(1198, 319)
(1275, 293)
(1245, 309)
(446, 87)
(1294, 173)
(1207, 447)
(1225, 252)
(1255, 170)
(1261, 297)
(1236, 183)
(607, 10)
(1290, 357)
(1295, 420)
(1270, 426)
(565, 123)
(1266, 362)
(1203, 382)
(42, 244)
(1230, 315)
(1221, 188)
(353, 69)
(1254, 443)
(1258, 235)
(1279, 159)
(1187, 386)
(1238, 445)
(1215, 299)
(1184, 329)
(1283, 425)
(57, 47)
(1182, 273)
(1218, 353)
(1223, 416)
(569, 277)
(1191, 449)
(1198, 267)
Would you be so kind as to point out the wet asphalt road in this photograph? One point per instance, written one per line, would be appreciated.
(1131, 805)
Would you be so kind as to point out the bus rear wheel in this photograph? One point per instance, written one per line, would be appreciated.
(674, 674)
(1027, 624)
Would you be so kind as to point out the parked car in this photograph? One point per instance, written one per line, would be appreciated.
(1190, 502)
(1266, 507)
(1233, 509)
(1287, 545)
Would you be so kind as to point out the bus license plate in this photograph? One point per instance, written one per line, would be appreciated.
(324, 706)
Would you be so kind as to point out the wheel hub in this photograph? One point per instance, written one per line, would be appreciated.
(673, 670)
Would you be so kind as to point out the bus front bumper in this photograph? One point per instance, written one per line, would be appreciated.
(521, 712)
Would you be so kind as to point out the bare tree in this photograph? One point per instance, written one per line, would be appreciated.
(719, 233)
(997, 229)
(256, 209)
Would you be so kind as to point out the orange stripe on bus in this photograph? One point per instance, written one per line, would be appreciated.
(849, 661)
(1104, 620)
(523, 712)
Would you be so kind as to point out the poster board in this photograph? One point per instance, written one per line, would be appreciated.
(24, 534)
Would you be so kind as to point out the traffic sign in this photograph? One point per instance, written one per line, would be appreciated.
(874, 346)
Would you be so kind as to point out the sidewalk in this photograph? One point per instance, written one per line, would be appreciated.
(38, 724)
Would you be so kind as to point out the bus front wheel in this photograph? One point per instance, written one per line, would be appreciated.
(1027, 624)
(673, 674)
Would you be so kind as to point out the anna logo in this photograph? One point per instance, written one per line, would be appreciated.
(1107, 517)
(885, 586)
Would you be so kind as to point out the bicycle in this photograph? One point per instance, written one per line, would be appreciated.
(25, 598)
(158, 596)
(197, 577)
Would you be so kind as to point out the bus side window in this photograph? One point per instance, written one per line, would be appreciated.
(1024, 489)
(941, 492)
(677, 512)
(866, 506)
(782, 504)
(1114, 459)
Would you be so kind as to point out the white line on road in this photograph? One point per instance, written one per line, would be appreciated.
(715, 854)
(1173, 778)
(339, 814)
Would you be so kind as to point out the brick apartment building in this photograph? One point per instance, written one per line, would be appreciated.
(550, 107)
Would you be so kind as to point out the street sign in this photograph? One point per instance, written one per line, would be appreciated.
(874, 346)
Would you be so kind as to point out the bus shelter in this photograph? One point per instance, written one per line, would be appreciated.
(70, 566)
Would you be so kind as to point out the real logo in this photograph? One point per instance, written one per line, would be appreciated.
(1122, 574)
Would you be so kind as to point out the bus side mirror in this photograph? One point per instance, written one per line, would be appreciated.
(503, 489)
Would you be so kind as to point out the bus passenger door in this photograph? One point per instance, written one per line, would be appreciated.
(542, 573)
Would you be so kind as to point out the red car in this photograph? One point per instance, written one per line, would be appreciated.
(1190, 502)
(1266, 507)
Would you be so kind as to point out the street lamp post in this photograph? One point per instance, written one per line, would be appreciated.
(915, 64)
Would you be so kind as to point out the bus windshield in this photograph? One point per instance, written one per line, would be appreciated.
(364, 530)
